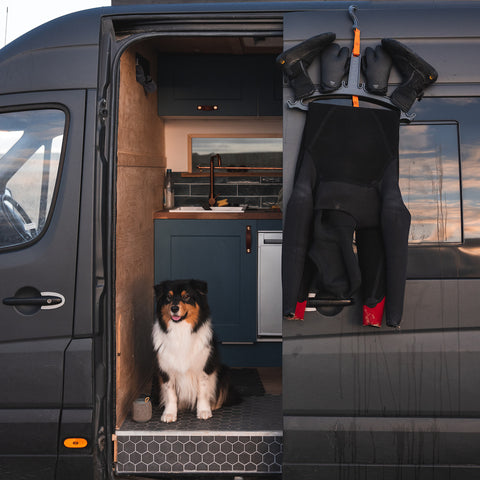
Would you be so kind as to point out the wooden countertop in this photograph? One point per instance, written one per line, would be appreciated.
(253, 214)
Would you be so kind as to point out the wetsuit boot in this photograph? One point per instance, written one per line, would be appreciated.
(371, 258)
(296, 60)
(416, 73)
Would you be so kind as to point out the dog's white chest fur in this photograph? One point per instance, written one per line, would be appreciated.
(183, 354)
(179, 350)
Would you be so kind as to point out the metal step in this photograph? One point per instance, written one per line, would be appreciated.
(243, 439)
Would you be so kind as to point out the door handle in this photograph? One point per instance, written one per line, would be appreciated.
(46, 300)
(272, 241)
(248, 239)
(329, 302)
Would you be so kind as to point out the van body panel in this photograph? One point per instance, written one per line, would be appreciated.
(42, 382)
(370, 402)
(78, 388)
(380, 472)
(61, 54)
(427, 308)
(379, 20)
(29, 442)
(51, 66)
(87, 277)
(386, 440)
(380, 374)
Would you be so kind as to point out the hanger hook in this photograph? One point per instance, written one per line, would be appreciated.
(351, 10)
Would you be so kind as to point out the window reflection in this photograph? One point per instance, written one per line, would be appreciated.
(247, 151)
(430, 181)
(30, 150)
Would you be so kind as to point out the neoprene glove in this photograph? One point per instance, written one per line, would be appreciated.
(376, 66)
(334, 63)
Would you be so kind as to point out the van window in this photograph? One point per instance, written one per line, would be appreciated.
(430, 181)
(30, 150)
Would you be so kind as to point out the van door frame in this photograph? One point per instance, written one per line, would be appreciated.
(139, 28)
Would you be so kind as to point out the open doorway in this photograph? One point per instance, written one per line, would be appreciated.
(151, 137)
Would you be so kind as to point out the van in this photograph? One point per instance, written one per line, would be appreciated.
(94, 108)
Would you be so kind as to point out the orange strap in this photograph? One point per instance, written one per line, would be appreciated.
(356, 42)
(356, 53)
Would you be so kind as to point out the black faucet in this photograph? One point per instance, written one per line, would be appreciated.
(212, 198)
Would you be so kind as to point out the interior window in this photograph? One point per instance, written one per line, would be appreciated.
(430, 181)
(236, 154)
(30, 150)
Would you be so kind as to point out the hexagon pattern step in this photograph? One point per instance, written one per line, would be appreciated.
(246, 438)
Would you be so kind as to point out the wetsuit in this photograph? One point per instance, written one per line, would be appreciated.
(346, 188)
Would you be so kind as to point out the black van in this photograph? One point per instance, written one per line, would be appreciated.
(94, 107)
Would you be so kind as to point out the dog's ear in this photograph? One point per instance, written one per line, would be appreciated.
(200, 286)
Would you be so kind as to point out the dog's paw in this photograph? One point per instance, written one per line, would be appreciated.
(169, 417)
(204, 414)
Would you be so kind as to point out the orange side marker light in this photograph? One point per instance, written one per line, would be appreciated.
(75, 442)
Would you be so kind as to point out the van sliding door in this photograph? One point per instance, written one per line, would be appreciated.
(361, 402)
(41, 145)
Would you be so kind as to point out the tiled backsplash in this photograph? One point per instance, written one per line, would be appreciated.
(257, 192)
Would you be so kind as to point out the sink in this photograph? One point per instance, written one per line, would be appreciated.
(198, 209)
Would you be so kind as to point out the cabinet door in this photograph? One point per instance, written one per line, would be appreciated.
(206, 85)
(219, 85)
(214, 251)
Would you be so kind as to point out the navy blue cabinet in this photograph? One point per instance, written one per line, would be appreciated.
(222, 253)
(219, 85)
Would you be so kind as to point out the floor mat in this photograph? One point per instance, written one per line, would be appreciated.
(254, 413)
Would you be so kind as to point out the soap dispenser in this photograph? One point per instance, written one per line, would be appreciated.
(168, 197)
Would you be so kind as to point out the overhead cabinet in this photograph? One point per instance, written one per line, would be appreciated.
(219, 85)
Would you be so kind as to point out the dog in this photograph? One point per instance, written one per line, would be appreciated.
(191, 375)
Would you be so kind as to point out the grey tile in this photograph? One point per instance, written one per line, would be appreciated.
(229, 450)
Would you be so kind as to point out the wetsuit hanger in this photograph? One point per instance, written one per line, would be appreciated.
(352, 88)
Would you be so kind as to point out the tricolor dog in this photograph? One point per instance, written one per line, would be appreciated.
(191, 375)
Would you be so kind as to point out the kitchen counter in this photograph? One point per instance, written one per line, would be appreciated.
(249, 214)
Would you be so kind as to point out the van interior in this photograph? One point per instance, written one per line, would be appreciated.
(148, 144)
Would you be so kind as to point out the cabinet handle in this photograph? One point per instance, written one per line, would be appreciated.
(207, 108)
(248, 239)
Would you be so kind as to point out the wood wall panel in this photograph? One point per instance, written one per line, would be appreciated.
(141, 139)
(140, 173)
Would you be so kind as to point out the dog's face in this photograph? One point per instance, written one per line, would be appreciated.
(182, 301)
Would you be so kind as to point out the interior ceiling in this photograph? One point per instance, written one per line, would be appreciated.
(220, 45)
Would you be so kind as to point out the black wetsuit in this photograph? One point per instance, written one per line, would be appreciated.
(346, 187)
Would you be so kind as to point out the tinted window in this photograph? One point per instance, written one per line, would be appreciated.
(430, 181)
(30, 149)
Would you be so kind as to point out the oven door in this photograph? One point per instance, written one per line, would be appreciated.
(269, 310)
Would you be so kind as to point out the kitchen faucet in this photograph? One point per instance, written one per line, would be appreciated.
(212, 198)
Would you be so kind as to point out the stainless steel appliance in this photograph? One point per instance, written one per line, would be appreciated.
(269, 310)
